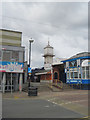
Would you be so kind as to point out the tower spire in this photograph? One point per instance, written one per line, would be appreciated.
(48, 41)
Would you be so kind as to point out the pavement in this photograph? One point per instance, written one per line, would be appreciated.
(72, 101)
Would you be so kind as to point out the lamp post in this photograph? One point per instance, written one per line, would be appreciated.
(30, 41)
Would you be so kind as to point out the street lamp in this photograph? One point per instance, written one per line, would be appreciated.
(30, 41)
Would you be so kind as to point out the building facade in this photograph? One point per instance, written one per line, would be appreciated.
(11, 60)
(77, 69)
(53, 71)
(58, 73)
(45, 76)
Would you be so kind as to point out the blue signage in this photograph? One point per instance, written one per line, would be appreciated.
(29, 70)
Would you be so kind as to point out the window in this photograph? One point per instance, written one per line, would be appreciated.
(83, 72)
(83, 68)
(75, 74)
(21, 56)
(86, 72)
(79, 75)
(6, 55)
(87, 68)
(67, 75)
(15, 56)
(71, 74)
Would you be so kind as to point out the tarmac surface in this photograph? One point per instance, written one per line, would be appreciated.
(36, 109)
(65, 104)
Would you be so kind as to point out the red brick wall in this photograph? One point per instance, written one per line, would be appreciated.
(42, 77)
(55, 69)
(46, 77)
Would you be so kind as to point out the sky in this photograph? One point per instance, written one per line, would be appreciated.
(64, 24)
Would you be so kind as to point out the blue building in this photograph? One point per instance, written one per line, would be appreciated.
(77, 69)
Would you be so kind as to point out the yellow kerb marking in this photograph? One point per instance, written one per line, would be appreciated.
(16, 97)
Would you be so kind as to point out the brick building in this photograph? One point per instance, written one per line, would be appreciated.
(44, 76)
(53, 70)
(58, 73)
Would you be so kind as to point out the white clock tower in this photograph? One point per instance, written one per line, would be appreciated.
(48, 56)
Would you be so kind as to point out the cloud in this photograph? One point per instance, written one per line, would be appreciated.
(66, 24)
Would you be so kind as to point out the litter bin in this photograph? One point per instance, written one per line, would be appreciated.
(32, 91)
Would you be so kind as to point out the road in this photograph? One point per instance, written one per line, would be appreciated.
(35, 108)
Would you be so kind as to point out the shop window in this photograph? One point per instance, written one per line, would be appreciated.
(79, 75)
(67, 75)
(87, 74)
(87, 68)
(71, 74)
(83, 74)
(75, 74)
(83, 68)
(55, 75)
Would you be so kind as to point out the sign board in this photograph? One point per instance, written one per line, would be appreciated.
(11, 67)
(29, 70)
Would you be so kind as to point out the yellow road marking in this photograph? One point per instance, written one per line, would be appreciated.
(16, 97)
(84, 118)
(87, 117)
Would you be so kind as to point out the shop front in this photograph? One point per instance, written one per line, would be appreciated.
(77, 69)
(11, 76)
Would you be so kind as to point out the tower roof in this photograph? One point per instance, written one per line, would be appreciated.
(48, 46)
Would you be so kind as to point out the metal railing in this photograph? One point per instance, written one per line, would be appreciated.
(7, 88)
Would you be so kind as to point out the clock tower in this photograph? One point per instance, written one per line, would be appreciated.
(48, 56)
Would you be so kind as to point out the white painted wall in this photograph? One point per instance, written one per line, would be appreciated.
(48, 51)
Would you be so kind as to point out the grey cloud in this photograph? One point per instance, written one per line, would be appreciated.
(66, 24)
